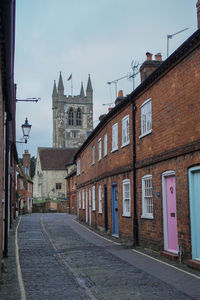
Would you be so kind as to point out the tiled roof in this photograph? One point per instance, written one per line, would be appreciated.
(56, 158)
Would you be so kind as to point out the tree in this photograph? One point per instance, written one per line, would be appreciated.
(32, 166)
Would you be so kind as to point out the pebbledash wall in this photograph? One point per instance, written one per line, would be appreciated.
(167, 159)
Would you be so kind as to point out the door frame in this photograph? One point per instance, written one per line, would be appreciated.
(106, 207)
(164, 202)
(193, 240)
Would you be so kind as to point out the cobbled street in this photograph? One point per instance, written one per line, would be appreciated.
(61, 259)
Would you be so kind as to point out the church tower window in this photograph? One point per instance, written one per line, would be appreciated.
(78, 117)
(71, 117)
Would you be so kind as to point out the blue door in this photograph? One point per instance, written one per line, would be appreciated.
(115, 229)
(194, 186)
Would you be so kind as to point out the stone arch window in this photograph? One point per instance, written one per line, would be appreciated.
(71, 117)
(78, 117)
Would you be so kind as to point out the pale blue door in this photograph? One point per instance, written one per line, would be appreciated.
(115, 229)
(194, 190)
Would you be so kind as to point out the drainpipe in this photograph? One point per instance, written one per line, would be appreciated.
(135, 219)
(5, 250)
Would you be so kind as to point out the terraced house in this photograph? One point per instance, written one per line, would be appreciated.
(138, 173)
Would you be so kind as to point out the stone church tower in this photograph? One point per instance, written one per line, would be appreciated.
(72, 116)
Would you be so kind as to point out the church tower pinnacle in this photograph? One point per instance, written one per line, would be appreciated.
(55, 93)
(89, 90)
(82, 94)
(60, 86)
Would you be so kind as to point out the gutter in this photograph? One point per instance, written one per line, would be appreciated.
(135, 219)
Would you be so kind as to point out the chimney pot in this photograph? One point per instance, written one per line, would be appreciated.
(149, 56)
(120, 93)
(158, 57)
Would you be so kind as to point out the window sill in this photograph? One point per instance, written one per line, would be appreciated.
(100, 212)
(124, 145)
(147, 217)
(126, 216)
(144, 134)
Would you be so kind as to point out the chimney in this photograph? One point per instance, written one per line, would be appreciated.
(150, 65)
(26, 160)
(198, 13)
(120, 97)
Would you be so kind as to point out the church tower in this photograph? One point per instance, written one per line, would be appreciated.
(72, 115)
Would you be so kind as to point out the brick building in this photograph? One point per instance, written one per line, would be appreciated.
(8, 153)
(138, 172)
(71, 191)
(24, 185)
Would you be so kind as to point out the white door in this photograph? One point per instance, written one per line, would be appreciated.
(90, 208)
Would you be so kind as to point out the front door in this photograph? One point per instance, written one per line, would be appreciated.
(194, 192)
(90, 208)
(115, 229)
(169, 212)
(172, 235)
(86, 206)
(106, 207)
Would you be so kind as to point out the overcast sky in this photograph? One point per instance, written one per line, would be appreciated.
(97, 37)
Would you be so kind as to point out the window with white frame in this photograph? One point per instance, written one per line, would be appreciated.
(147, 197)
(125, 131)
(115, 137)
(78, 167)
(146, 117)
(83, 199)
(99, 148)
(126, 198)
(93, 155)
(93, 198)
(100, 200)
(105, 144)
(79, 199)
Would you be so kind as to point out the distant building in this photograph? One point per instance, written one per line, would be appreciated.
(50, 172)
(24, 185)
(72, 116)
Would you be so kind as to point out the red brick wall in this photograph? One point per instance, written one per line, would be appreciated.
(119, 163)
(175, 119)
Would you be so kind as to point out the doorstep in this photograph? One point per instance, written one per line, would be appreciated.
(192, 263)
(169, 255)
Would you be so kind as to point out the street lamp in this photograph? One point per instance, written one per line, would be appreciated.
(26, 127)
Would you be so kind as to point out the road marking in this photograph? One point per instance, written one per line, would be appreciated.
(153, 258)
(165, 263)
(19, 272)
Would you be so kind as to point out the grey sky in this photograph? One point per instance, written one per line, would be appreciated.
(97, 37)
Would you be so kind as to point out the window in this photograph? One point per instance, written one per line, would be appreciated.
(93, 198)
(126, 198)
(100, 200)
(105, 142)
(146, 125)
(82, 164)
(71, 117)
(78, 117)
(99, 147)
(79, 199)
(58, 186)
(115, 137)
(93, 155)
(78, 167)
(83, 199)
(147, 197)
(125, 131)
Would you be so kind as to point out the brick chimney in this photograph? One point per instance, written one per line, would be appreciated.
(120, 97)
(198, 13)
(150, 65)
(26, 160)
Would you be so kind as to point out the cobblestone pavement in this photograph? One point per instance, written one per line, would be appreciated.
(61, 259)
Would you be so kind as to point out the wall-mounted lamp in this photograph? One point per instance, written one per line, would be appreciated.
(26, 127)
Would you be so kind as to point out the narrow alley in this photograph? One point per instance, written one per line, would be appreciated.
(61, 259)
